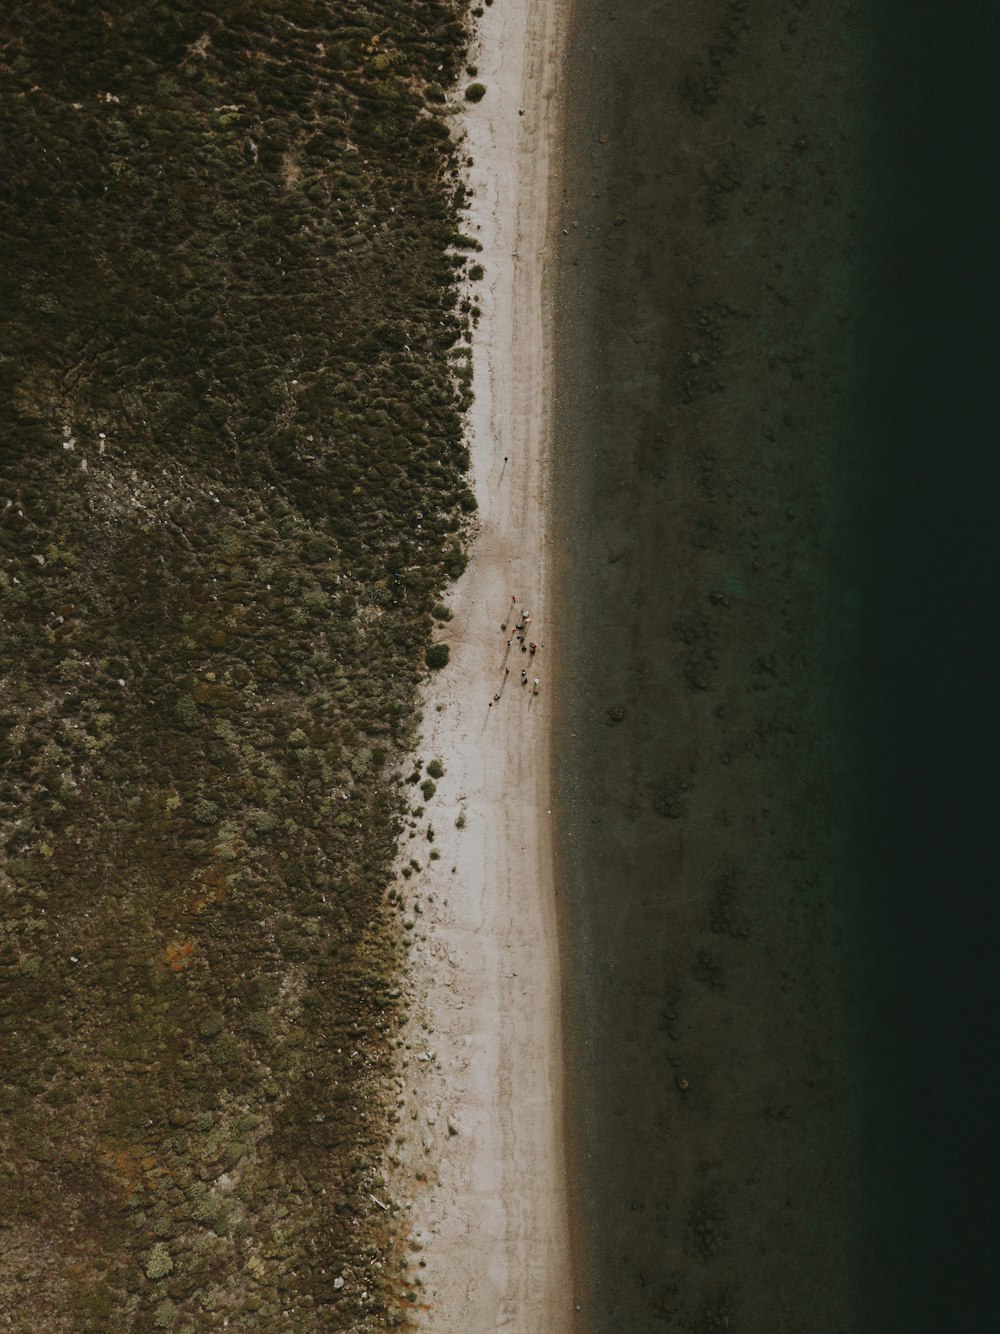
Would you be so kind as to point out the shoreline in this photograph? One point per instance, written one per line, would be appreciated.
(487, 1214)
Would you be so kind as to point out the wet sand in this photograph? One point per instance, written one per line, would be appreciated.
(708, 491)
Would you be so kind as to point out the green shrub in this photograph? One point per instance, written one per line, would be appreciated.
(317, 549)
(475, 92)
(159, 1262)
(436, 769)
(428, 787)
(226, 1050)
(212, 1024)
(440, 612)
(477, 273)
(260, 1024)
(166, 1314)
(437, 656)
(186, 712)
(455, 561)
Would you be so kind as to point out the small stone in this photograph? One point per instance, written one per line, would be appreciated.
(338, 1283)
(452, 1126)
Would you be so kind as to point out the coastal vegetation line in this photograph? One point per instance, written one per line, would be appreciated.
(231, 492)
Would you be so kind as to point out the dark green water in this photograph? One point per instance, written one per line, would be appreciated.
(931, 716)
(775, 418)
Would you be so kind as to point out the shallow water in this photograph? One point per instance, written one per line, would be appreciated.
(723, 907)
(775, 332)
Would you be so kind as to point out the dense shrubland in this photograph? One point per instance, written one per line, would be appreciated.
(231, 492)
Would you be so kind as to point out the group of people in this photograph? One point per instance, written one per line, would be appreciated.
(529, 646)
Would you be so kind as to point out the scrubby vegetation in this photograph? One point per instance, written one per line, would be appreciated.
(231, 493)
(437, 656)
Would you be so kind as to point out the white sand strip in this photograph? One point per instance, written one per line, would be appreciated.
(491, 1215)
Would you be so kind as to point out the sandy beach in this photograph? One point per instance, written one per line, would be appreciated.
(481, 1165)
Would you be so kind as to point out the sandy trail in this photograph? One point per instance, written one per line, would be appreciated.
(480, 1096)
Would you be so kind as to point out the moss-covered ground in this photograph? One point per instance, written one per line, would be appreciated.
(231, 492)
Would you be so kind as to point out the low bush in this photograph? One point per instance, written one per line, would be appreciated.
(437, 656)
